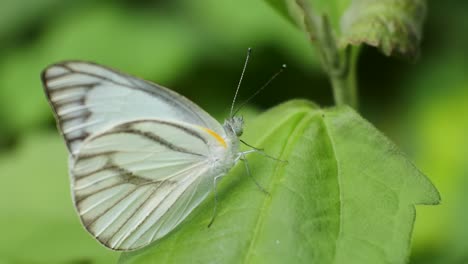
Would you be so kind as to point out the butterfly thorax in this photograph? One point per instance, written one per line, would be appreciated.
(233, 128)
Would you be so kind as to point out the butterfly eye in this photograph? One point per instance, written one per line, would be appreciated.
(238, 124)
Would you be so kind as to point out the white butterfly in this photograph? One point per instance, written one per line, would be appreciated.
(142, 157)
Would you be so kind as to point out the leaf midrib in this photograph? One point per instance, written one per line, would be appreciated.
(299, 128)
(338, 179)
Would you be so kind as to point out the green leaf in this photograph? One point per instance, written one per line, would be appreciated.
(159, 41)
(39, 223)
(285, 8)
(346, 195)
(14, 16)
(393, 26)
(435, 126)
(167, 50)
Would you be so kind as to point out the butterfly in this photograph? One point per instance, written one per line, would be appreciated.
(141, 157)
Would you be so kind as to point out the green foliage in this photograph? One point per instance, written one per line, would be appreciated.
(39, 223)
(147, 44)
(436, 126)
(393, 26)
(197, 47)
(11, 22)
(346, 195)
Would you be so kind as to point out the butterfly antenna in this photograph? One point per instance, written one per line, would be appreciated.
(283, 67)
(249, 50)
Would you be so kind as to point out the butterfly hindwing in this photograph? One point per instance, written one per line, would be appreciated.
(88, 98)
(134, 182)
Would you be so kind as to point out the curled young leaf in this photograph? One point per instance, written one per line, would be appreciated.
(393, 26)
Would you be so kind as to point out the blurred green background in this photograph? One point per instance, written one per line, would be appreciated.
(197, 48)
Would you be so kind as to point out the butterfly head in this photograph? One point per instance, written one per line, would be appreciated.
(235, 124)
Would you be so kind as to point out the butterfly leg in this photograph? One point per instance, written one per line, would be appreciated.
(215, 185)
(260, 151)
(247, 169)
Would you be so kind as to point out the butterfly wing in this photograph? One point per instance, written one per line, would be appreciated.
(135, 182)
(88, 98)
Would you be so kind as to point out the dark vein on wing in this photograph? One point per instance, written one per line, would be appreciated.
(88, 209)
(57, 76)
(88, 225)
(85, 116)
(108, 166)
(71, 100)
(123, 174)
(170, 207)
(151, 137)
(94, 155)
(136, 200)
(127, 81)
(73, 86)
(167, 95)
(187, 130)
(145, 218)
(160, 202)
(145, 193)
(64, 65)
(127, 176)
(82, 197)
(99, 77)
(72, 139)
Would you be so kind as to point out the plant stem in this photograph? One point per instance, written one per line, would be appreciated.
(344, 84)
(339, 64)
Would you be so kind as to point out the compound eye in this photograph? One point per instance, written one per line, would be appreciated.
(239, 132)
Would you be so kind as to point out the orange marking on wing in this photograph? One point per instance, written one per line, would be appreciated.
(216, 136)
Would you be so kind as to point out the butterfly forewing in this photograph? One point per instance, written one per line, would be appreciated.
(141, 156)
(88, 98)
(134, 182)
